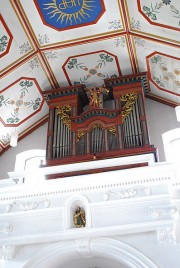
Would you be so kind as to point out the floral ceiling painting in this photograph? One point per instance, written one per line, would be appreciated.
(164, 13)
(14, 110)
(99, 65)
(47, 44)
(165, 72)
(5, 38)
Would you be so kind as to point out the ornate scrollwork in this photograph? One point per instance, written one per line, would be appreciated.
(112, 130)
(166, 236)
(64, 111)
(127, 193)
(157, 212)
(129, 100)
(7, 252)
(27, 205)
(6, 229)
(96, 126)
(80, 134)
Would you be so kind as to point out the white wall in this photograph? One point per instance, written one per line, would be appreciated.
(36, 140)
(161, 118)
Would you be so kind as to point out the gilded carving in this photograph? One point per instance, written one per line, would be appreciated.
(80, 134)
(129, 100)
(112, 130)
(79, 218)
(95, 93)
(64, 111)
(96, 126)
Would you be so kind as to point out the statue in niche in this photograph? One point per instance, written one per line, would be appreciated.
(79, 218)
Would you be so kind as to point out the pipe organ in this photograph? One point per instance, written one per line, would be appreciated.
(97, 123)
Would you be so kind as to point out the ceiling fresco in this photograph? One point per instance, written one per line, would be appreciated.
(46, 44)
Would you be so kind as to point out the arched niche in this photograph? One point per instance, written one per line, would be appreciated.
(61, 254)
(72, 204)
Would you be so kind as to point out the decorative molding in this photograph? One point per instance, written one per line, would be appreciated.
(6, 229)
(27, 205)
(7, 252)
(100, 247)
(157, 212)
(127, 193)
(166, 236)
(89, 188)
(83, 248)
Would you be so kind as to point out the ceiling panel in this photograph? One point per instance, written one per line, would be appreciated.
(15, 43)
(86, 64)
(157, 19)
(55, 23)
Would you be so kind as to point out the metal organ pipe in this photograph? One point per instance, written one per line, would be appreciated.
(132, 128)
(61, 138)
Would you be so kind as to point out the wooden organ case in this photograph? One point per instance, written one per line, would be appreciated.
(97, 123)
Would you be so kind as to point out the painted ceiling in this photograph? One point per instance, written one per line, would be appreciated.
(47, 44)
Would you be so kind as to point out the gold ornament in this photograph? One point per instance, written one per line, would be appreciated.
(129, 100)
(80, 134)
(96, 126)
(112, 130)
(63, 111)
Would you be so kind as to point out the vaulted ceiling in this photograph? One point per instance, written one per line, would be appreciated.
(46, 44)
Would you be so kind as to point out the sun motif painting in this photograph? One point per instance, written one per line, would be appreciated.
(68, 14)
